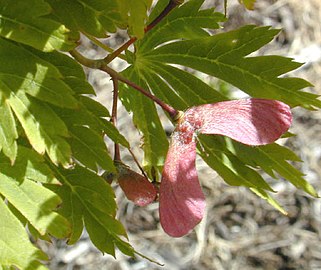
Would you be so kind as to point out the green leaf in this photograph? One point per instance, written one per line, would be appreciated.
(28, 165)
(249, 4)
(92, 17)
(89, 148)
(184, 86)
(22, 69)
(274, 158)
(234, 172)
(215, 152)
(234, 162)
(179, 88)
(70, 72)
(25, 22)
(30, 83)
(137, 11)
(31, 229)
(146, 119)
(94, 107)
(156, 10)
(44, 129)
(16, 249)
(95, 114)
(92, 114)
(105, 232)
(80, 116)
(35, 202)
(8, 131)
(89, 200)
(185, 22)
(264, 195)
(223, 56)
(114, 134)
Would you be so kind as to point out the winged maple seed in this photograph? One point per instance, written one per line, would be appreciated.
(249, 121)
(136, 187)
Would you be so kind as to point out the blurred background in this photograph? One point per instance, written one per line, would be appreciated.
(240, 230)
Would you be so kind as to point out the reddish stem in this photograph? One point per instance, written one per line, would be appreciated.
(114, 115)
(100, 64)
(171, 111)
(170, 6)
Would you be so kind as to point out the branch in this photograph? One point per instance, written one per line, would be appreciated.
(172, 112)
(114, 116)
(101, 64)
(170, 6)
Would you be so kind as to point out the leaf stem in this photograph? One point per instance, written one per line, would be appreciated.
(170, 6)
(91, 63)
(100, 64)
(137, 163)
(102, 45)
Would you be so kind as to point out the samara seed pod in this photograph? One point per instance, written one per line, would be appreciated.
(136, 187)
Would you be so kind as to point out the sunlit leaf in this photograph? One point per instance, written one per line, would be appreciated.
(180, 88)
(89, 200)
(22, 69)
(10, 245)
(233, 171)
(26, 22)
(274, 158)
(223, 56)
(185, 22)
(8, 131)
(44, 129)
(91, 17)
(89, 148)
(264, 195)
(35, 202)
(136, 14)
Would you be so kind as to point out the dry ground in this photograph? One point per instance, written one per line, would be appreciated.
(240, 231)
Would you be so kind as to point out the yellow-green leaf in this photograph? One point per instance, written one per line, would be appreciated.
(16, 249)
(26, 22)
(249, 4)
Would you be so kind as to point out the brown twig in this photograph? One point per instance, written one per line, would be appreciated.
(114, 116)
